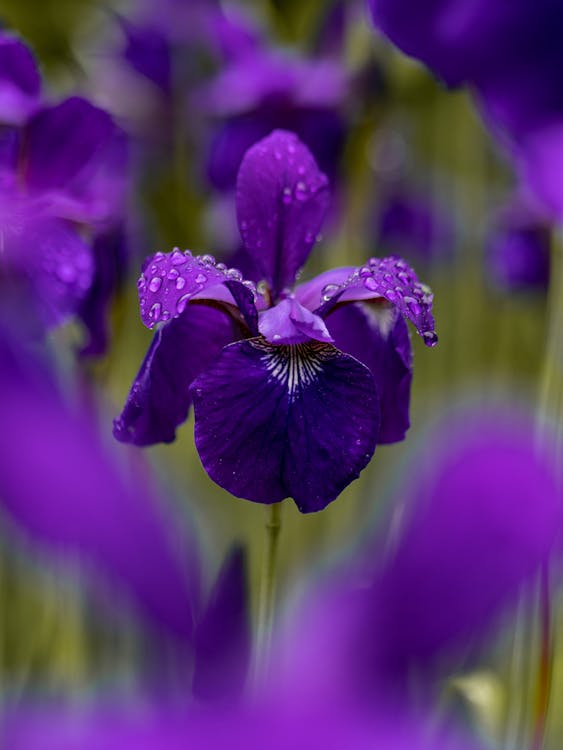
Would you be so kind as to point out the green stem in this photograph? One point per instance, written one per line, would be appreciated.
(545, 663)
(266, 604)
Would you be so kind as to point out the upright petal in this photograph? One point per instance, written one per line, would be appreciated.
(170, 281)
(279, 421)
(282, 199)
(20, 83)
(159, 399)
(377, 336)
(223, 634)
(62, 139)
(390, 279)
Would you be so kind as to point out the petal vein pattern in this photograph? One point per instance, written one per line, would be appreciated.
(294, 366)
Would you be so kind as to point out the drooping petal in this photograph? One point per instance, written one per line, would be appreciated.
(278, 421)
(385, 278)
(159, 399)
(61, 489)
(62, 139)
(377, 335)
(20, 83)
(170, 281)
(282, 199)
(289, 322)
(223, 635)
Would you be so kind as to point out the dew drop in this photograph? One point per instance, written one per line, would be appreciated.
(286, 196)
(173, 273)
(182, 303)
(180, 283)
(201, 278)
(430, 338)
(208, 260)
(328, 291)
(141, 283)
(155, 284)
(235, 274)
(154, 312)
(371, 284)
(365, 272)
(178, 258)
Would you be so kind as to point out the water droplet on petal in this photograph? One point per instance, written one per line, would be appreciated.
(173, 274)
(371, 284)
(430, 338)
(365, 272)
(155, 284)
(178, 258)
(141, 283)
(235, 274)
(182, 302)
(180, 283)
(201, 278)
(154, 312)
(286, 196)
(328, 291)
(207, 260)
(221, 267)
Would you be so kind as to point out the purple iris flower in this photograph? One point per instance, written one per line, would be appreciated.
(20, 82)
(292, 387)
(518, 250)
(62, 188)
(510, 53)
(265, 90)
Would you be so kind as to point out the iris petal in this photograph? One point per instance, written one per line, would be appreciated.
(282, 198)
(279, 421)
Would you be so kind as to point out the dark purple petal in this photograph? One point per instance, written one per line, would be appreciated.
(61, 489)
(148, 50)
(110, 261)
(278, 421)
(282, 199)
(20, 83)
(391, 279)
(377, 335)
(289, 322)
(228, 146)
(159, 399)
(222, 639)
(171, 280)
(62, 139)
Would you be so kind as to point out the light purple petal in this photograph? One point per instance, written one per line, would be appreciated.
(391, 279)
(60, 488)
(310, 293)
(159, 399)
(289, 322)
(278, 421)
(282, 199)
(222, 640)
(170, 281)
(377, 335)
(20, 83)
(62, 139)
(485, 514)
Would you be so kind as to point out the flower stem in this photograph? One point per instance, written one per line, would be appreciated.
(266, 604)
(543, 680)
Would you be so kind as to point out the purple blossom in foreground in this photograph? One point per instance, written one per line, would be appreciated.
(292, 390)
(62, 187)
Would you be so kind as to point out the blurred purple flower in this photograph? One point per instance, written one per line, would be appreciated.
(509, 54)
(411, 225)
(518, 250)
(270, 388)
(61, 490)
(263, 91)
(62, 187)
(20, 82)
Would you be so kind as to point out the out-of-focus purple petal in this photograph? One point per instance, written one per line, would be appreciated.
(228, 146)
(51, 257)
(147, 50)
(484, 517)
(20, 82)
(159, 399)
(110, 261)
(59, 486)
(306, 416)
(282, 199)
(170, 281)
(377, 336)
(518, 251)
(223, 634)
(62, 139)
(391, 279)
(540, 162)
(289, 322)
